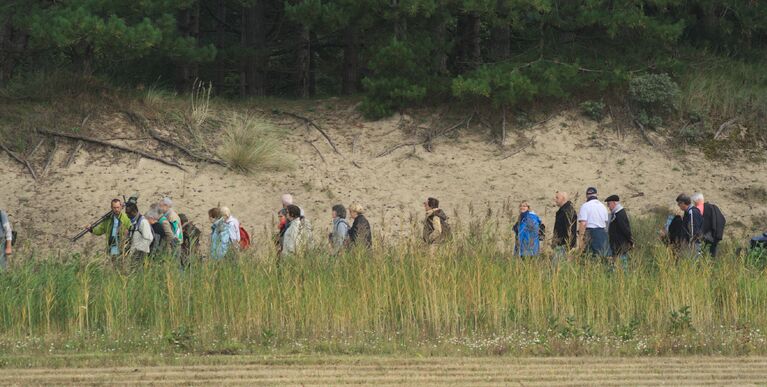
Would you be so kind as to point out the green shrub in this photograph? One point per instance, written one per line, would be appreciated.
(398, 80)
(653, 95)
(594, 110)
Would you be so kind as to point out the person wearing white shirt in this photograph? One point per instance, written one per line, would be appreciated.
(592, 225)
(233, 223)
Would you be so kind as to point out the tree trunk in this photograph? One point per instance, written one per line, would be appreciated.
(500, 34)
(313, 63)
(500, 45)
(351, 62)
(475, 40)
(189, 26)
(7, 60)
(255, 44)
(303, 65)
(469, 51)
(220, 42)
(244, 45)
(439, 48)
(83, 59)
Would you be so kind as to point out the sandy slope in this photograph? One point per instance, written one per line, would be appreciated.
(568, 153)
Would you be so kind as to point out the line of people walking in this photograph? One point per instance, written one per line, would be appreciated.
(602, 230)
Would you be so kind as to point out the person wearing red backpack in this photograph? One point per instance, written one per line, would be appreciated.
(237, 234)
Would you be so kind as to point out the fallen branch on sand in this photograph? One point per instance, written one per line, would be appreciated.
(724, 126)
(187, 151)
(644, 133)
(519, 149)
(73, 154)
(317, 149)
(110, 145)
(49, 160)
(310, 123)
(429, 139)
(18, 158)
(140, 121)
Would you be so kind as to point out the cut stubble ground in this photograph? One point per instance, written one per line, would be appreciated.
(412, 371)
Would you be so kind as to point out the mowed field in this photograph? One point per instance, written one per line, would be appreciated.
(413, 371)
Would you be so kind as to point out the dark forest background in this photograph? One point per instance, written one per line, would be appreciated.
(395, 53)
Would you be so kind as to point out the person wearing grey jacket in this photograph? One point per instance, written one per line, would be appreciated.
(298, 236)
(6, 240)
(340, 229)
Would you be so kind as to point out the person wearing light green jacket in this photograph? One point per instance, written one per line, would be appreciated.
(115, 227)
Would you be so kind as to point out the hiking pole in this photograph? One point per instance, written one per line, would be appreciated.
(94, 224)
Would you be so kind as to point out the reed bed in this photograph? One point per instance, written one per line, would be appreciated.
(467, 293)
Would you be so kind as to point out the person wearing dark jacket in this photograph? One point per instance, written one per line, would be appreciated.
(713, 223)
(619, 231)
(673, 231)
(435, 227)
(565, 226)
(190, 246)
(693, 223)
(360, 233)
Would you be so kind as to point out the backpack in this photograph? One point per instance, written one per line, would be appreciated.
(719, 222)
(447, 231)
(244, 238)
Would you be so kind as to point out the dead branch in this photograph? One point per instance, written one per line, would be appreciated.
(519, 149)
(18, 158)
(310, 123)
(356, 165)
(317, 149)
(187, 151)
(73, 154)
(428, 140)
(354, 142)
(392, 149)
(615, 121)
(724, 126)
(49, 160)
(115, 146)
(34, 150)
(644, 133)
(85, 121)
(503, 125)
(140, 122)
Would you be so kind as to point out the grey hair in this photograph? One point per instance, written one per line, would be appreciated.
(153, 213)
(287, 199)
(697, 197)
(167, 201)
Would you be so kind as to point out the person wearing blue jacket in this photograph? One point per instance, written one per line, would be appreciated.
(529, 230)
(219, 235)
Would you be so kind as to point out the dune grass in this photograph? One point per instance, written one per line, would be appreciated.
(251, 145)
(468, 296)
(719, 90)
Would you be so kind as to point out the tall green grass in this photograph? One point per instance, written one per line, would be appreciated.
(721, 89)
(467, 290)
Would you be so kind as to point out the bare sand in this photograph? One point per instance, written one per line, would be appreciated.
(566, 153)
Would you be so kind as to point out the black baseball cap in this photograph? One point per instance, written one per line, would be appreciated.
(591, 191)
